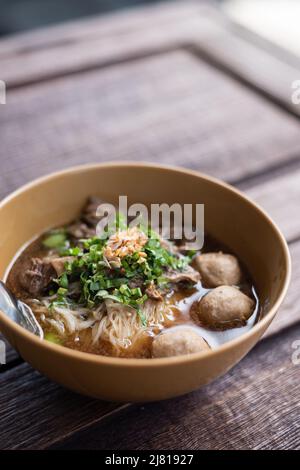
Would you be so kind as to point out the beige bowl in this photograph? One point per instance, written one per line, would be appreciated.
(229, 216)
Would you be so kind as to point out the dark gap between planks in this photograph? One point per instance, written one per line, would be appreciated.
(129, 58)
(191, 48)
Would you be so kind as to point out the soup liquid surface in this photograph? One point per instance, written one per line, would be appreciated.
(177, 313)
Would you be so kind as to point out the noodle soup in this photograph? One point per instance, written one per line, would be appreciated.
(132, 294)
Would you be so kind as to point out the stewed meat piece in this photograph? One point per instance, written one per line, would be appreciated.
(37, 276)
(188, 275)
(223, 307)
(38, 273)
(218, 269)
(177, 341)
(59, 263)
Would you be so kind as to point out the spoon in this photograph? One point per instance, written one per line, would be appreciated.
(18, 311)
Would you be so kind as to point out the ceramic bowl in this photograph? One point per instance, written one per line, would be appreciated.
(229, 216)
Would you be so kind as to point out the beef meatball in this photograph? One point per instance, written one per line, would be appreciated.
(222, 308)
(177, 341)
(218, 269)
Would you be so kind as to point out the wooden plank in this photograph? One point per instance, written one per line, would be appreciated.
(96, 42)
(270, 73)
(126, 38)
(280, 197)
(236, 412)
(120, 24)
(134, 112)
(42, 410)
(289, 313)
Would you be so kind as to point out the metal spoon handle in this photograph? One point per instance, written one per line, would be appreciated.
(18, 311)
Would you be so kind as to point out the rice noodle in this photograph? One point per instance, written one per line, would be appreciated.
(121, 325)
(111, 321)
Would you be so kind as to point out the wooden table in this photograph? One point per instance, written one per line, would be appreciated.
(173, 83)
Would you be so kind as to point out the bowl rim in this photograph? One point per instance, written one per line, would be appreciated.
(154, 362)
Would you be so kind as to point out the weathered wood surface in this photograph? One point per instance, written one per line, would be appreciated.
(202, 119)
(11, 355)
(53, 412)
(255, 406)
(173, 84)
(235, 412)
(96, 43)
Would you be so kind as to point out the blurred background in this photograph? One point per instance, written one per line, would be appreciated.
(276, 20)
(18, 15)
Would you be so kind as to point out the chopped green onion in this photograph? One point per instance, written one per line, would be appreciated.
(98, 280)
(52, 338)
(55, 240)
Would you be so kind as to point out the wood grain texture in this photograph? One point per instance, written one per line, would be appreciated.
(97, 41)
(289, 312)
(251, 63)
(44, 411)
(135, 112)
(94, 43)
(120, 24)
(254, 406)
(280, 197)
(233, 412)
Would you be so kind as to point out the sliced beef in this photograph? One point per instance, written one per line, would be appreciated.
(59, 263)
(37, 276)
(189, 275)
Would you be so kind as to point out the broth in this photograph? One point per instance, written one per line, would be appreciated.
(178, 303)
(126, 294)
